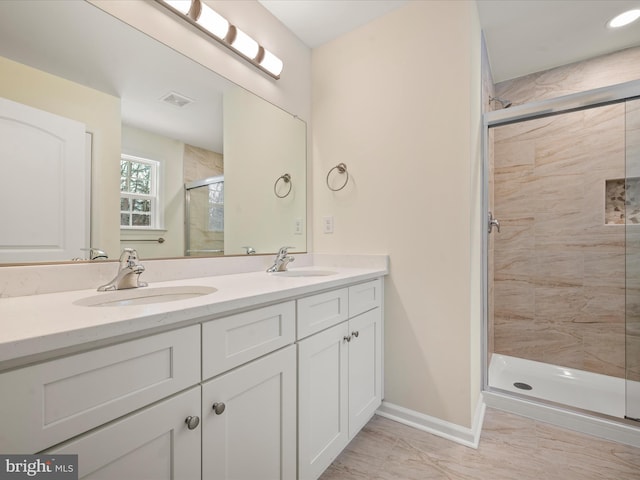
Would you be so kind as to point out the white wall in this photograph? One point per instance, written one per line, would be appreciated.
(398, 101)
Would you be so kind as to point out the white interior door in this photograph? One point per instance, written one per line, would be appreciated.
(44, 211)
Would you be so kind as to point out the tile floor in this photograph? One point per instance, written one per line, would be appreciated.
(511, 447)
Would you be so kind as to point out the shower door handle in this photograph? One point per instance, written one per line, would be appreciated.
(493, 222)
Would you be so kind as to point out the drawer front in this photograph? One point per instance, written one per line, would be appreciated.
(322, 311)
(232, 341)
(364, 297)
(44, 404)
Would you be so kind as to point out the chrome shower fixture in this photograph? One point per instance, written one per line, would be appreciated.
(503, 103)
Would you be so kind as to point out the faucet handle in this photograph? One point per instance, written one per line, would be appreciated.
(283, 251)
(129, 257)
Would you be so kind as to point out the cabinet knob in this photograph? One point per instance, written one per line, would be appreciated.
(355, 334)
(192, 422)
(219, 408)
(347, 338)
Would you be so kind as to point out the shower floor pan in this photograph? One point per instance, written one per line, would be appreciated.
(577, 388)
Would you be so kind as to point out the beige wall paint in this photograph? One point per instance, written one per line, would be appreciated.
(262, 143)
(101, 115)
(403, 113)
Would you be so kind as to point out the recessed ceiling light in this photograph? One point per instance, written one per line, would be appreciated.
(624, 18)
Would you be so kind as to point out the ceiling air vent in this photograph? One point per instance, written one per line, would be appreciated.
(176, 99)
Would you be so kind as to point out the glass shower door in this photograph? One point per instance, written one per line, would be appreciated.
(632, 257)
(204, 217)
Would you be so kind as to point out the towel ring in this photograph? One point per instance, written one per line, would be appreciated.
(342, 168)
(286, 178)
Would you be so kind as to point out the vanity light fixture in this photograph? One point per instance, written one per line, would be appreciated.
(624, 18)
(216, 26)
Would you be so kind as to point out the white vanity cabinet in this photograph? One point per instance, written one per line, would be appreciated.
(274, 392)
(339, 377)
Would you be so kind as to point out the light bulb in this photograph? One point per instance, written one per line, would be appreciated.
(213, 22)
(245, 44)
(182, 6)
(271, 63)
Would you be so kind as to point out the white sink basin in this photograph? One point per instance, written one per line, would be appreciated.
(144, 296)
(304, 273)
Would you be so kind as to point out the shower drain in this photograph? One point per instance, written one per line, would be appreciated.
(523, 386)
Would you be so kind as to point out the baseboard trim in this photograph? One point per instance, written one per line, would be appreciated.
(469, 437)
(572, 420)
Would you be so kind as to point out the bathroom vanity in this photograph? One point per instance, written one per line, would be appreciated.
(269, 376)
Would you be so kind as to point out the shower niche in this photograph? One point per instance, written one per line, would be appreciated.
(622, 205)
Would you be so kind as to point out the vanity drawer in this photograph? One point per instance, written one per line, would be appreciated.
(364, 297)
(44, 404)
(322, 311)
(232, 341)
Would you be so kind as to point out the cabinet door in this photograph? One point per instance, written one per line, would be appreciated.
(365, 368)
(153, 444)
(322, 400)
(254, 437)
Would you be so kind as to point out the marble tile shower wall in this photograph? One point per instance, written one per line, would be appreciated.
(559, 279)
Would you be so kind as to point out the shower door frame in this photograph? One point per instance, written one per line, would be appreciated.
(510, 401)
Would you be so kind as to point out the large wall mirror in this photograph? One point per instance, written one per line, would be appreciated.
(155, 122)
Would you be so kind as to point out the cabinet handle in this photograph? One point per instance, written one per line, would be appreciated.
(346, 338)
(192, 422)
(218, 408)
(355, 334)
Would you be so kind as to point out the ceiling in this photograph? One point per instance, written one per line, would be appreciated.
(522, 36)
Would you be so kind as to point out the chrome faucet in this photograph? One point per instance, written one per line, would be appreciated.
(128, 275)
(281, 261)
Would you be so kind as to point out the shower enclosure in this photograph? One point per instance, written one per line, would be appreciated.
(562, 184)
(204, 217)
